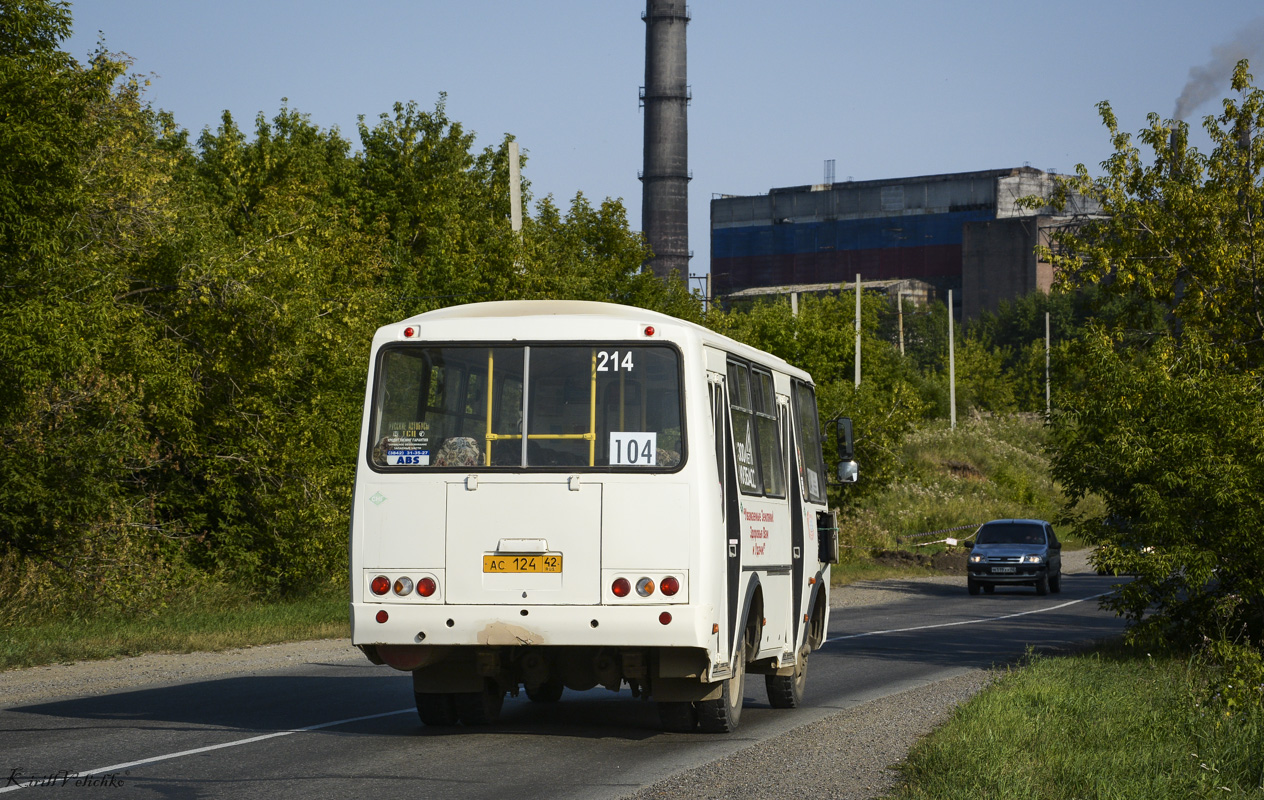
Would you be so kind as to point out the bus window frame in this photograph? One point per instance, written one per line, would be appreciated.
(757, 374)
(797, 387)
(526, 346)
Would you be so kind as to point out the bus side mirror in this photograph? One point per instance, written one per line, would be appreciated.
(848, 469)
(848, 472)
(842, 438)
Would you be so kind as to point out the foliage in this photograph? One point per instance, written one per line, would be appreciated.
(1075, 726)
(184, 325)
(990, 467)
(1165, 426)
(821, 340)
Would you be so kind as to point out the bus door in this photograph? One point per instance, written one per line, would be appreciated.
(731, 543)
(797, 521)
(764, 533)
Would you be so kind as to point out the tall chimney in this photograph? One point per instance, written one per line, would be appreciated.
(665, 177)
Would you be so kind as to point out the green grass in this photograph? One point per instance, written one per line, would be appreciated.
(1111, 724)
(208, 621)
(987, 468)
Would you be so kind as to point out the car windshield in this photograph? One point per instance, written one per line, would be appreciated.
(1011, 533)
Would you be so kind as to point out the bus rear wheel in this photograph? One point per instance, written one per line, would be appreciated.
(435, 710)
(677, 717)
(786, 691)
(722, 714)
(479, 708)
(547, 692)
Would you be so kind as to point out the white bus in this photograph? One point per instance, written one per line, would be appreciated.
(554, 495)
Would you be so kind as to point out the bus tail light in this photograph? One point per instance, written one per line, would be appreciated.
(621, 587)
(669, 586)
(426, 587)
(381, 585)
(403, 586)
(645, 587)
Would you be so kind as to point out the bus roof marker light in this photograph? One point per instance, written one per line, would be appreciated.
(649, 330)
(410, 332)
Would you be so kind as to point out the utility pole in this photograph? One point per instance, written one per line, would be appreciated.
(952, 369)
(899, 300)
(857, 330)
(515, 189)
(1048, 392)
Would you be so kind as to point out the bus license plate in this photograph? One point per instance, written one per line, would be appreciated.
(548, 562)
(1004, 570)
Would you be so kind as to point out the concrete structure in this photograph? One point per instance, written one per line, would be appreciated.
(963, 231)
(915, 291)
(665, 177)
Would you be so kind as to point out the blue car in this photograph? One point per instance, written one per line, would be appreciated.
(1015, 552)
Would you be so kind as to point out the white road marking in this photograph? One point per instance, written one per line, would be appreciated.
(196, 750)
(967, 621)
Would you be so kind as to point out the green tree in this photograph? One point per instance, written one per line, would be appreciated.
(89, 400)
(1165, 426)
(821, 340)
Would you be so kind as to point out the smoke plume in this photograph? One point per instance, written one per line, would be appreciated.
(1212, 79)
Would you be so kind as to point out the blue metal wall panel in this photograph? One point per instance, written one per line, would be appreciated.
(792, 238)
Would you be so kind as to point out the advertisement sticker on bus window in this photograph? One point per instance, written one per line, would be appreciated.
(633, 449)
(408, 458)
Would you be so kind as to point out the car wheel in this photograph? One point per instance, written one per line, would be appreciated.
(1042, 585)
(1055, 582)
(972, 586)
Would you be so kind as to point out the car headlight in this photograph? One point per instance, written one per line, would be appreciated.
(976, 559)
(1033, 559)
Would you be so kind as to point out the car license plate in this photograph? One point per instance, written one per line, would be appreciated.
(1004, 570)
(546, 562)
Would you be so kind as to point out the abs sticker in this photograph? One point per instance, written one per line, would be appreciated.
(408, 458)
(629, 449)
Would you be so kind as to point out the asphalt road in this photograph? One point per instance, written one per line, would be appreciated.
(344, 729)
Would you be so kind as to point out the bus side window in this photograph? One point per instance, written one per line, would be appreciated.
(717, 427)
(813, 463)
(771, 453)
(745, 440)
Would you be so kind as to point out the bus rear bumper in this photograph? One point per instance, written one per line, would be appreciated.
(524, 626)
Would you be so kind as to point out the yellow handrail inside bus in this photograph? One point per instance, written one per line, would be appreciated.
(591, 435)
(592, 414)
(488, 435)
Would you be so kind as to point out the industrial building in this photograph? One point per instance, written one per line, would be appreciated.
(963, 231)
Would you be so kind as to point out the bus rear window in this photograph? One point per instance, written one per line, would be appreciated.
(612, 407)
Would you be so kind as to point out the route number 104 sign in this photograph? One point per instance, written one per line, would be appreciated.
(628, 449)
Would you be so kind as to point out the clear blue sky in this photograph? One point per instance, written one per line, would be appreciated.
(886, 89)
